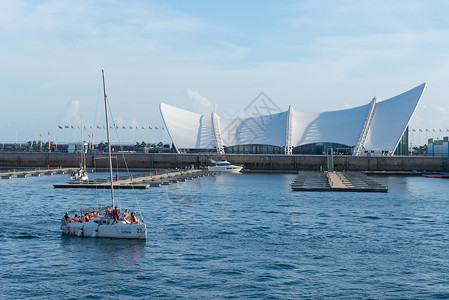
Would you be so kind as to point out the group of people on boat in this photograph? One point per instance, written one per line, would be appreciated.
(114, 214)
(80, 174)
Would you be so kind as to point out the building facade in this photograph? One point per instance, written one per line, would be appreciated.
(377, 128)
(438, 147)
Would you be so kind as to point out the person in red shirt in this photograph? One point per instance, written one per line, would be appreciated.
(134, 219)
(115, 214)
(85, 218)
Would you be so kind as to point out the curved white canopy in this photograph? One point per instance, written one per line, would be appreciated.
(378, 129)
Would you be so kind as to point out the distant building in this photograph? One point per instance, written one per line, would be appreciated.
(438, 147)
(377, 128)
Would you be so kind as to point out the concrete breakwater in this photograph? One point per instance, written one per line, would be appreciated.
(268, 162)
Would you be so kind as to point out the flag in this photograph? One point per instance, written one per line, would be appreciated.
(60, 127)
(155, 128)
(73, 127)
(143, 127)
(434, 130)
(124, 127)
(117, 127)
(427, 130)
(136, 127)
(413, 130)
(130, 127)
(441, 130)
(99, 127)
(447, 130)
(49, 133)
(162, 128)
(420, 130)
(150, 128)
(66, 126)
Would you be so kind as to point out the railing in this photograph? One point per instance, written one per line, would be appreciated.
(289, 132)
(366, 125)
(217, 133)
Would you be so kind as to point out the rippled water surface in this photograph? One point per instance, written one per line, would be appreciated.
(231, 236)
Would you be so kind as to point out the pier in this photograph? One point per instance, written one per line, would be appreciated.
(345, 181)
(142, 181)
(36, 172)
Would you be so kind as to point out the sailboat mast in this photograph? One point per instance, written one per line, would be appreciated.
(82, 144)
(109, 140)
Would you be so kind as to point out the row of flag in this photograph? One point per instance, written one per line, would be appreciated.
(111, 127)
(427, 130)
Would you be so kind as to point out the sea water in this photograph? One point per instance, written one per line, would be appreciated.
(230, 236)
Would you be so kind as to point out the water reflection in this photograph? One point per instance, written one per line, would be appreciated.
(104, 249)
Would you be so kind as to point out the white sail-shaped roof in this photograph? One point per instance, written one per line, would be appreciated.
(268, 129)
(391, 118)
(188, 130)
(342, 126)
(375, 126)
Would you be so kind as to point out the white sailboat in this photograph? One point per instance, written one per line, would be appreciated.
(81, 173)
(106, 225)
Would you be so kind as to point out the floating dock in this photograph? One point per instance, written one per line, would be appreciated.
(36, 172)
(136, 181)
(345, 181)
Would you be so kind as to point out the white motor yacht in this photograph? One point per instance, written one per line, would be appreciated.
(224, 166)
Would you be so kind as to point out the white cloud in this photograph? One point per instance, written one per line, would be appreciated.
(71, 112)
(200, 104)
(431, 116)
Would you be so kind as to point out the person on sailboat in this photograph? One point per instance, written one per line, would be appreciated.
(85, 218)
(116, 214)
(126, 216)
(107, 212)
(76, 218)
(66, 219)
(134, 219)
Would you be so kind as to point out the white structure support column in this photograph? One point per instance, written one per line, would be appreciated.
(289, 132)
(217, 133)
(366, 126)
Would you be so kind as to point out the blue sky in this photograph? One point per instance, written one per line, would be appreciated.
(314, 55)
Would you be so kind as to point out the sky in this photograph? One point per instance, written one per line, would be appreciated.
(210, 55)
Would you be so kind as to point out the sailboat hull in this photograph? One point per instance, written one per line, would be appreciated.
(98, 229)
